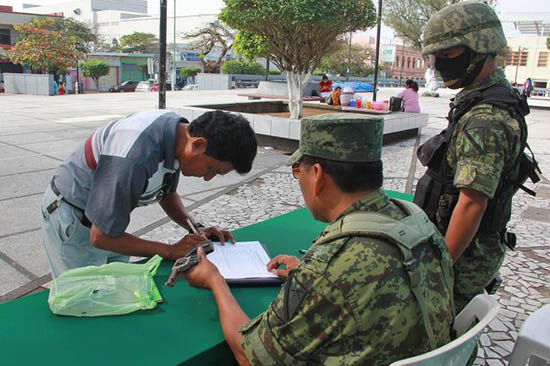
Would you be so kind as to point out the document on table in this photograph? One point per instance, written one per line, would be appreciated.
(243, 263)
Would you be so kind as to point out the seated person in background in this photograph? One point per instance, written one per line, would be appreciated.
(351, 299)
(410, 97)
(325, 88)
(334, 97)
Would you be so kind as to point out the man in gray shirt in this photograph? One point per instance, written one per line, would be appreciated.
(134, 162)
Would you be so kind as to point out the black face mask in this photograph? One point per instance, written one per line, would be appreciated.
(461, 70)
(453, 68)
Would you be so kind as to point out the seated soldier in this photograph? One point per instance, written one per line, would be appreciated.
(374, 287)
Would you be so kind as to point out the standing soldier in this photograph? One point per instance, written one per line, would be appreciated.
(473, 165)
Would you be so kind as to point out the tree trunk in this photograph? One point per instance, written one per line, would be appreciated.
(96, 80)
(296, 84)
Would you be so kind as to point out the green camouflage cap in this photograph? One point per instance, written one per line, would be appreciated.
(347, 137)
(472, 24)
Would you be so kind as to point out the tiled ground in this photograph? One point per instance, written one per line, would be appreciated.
(525, 273)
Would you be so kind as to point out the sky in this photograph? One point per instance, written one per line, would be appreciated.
(189, 7)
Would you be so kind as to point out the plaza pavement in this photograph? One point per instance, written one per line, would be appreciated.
(38, 132)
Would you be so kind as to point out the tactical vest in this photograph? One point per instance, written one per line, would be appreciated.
(413, 231)
(435, 191)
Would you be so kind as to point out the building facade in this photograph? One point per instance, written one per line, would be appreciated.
(8, 36)
(528, 55)
(408, 64)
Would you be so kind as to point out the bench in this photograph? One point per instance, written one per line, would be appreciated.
(247, 83)
(257, 96)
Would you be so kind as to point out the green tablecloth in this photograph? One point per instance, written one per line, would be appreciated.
(183, 329)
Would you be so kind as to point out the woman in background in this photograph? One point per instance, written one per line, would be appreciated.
(410, 97)
(325, 88)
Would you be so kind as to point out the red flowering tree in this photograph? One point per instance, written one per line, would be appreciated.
(44, 48)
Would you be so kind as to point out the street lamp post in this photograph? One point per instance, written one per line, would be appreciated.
(162, 56)
(378, 26)
(520, 50)
(174, 71)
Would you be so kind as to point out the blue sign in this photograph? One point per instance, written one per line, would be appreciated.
(189, 56)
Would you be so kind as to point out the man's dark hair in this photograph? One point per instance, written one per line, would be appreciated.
(350, 177)
(230, 138)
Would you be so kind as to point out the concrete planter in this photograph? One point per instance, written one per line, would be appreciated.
(284, 133)
(34, 84)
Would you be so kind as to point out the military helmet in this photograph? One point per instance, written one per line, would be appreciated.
(471, 23)
(344, 137)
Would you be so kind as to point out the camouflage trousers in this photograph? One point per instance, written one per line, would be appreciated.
(477, 267)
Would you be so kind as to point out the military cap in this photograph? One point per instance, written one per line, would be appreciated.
(470, 23)
(345, 137)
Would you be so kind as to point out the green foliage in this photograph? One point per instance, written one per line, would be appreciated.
(408, 17)
(139, 42)
(95, 69)
(86, 39)
(274, 72)
(295, 34)
(243, 67)
(186, 72)
(44, 48)
(548, 42)
(250, 45)
(336, 63)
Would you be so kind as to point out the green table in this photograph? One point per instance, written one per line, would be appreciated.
(184, 329)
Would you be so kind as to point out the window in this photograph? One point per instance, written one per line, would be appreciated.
(543, 59)
(414, 63)
(408, 62)
(397, 61)
(516, 58)
(5, 36)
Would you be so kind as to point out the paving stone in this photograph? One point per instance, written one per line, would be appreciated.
(498, 336)
(492, 362)
(484, 340)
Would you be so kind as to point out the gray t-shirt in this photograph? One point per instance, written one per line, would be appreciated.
(127, 163)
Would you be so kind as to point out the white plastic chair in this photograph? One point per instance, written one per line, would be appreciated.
(533, 341)
(457, 353)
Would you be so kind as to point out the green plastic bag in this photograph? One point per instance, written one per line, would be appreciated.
(110, 289)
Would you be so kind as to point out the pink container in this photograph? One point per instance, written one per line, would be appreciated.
(377, 106)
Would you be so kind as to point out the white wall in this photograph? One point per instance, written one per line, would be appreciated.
(117, 28)
(535, 45)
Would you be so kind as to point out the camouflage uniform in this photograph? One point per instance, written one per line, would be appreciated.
(349, 300)
(485, 142)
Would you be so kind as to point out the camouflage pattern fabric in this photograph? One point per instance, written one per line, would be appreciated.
(484, 145)
(469, 23)
(348, 302)
(348, 137)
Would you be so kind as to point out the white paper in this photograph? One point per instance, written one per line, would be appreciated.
(245, 259)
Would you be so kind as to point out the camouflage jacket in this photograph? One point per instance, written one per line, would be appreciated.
(348, 302)
(485, 142)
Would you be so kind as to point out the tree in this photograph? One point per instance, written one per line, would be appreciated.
(296, 34)
(212, 37)
(407, 18)
(139, 42)
(336, 63)
(548, 42)
(44, 48)
(95, 69)
(243, 67)
(86, 39)
(187, 72)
